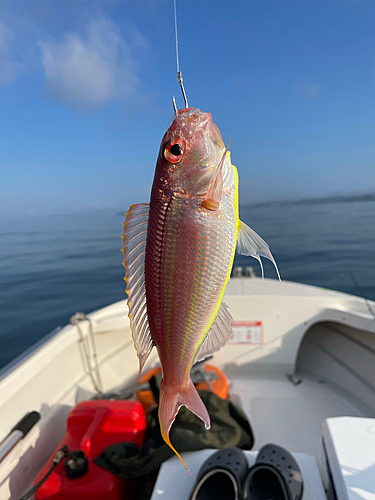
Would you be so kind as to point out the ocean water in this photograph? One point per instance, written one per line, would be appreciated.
(53, 266)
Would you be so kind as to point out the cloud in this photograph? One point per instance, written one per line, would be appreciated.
(307, 90)
(84, 72)
(311, 91)
(9, 70)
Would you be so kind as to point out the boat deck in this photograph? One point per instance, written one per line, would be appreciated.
(281, 411)
(287, 414)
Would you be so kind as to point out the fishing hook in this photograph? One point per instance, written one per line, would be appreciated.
(180, 80)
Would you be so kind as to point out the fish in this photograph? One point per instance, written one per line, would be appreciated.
(178, 255)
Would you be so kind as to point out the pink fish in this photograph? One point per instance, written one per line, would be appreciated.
(178, 254)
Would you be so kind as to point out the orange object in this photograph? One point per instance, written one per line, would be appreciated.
(92, 426)
(220, 386)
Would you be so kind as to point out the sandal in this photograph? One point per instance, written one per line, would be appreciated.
(274, 476)
(221, 476)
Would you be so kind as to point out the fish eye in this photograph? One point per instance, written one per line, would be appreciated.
(174, 151)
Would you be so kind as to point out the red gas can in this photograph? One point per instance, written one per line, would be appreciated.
(92, 426)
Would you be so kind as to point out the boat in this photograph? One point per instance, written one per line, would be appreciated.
(300, 362)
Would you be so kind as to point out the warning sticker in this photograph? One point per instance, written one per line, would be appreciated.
(246, 332)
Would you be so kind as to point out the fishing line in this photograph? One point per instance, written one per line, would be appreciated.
(175, 30)
(179, 74)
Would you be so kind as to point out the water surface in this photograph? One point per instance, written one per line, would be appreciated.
(53, 266)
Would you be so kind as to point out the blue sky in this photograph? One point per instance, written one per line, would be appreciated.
(86, 88)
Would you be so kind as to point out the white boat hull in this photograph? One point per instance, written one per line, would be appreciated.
(323, 340)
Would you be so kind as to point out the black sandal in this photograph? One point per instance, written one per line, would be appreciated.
(221, 476)
(274, 476)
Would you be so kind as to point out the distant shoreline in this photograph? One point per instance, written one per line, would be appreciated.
(360, 198)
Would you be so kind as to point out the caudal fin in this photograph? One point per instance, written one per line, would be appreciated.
(171, 401)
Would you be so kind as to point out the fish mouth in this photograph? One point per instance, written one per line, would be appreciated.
(193, 117)
(193, 113)
(190, 121)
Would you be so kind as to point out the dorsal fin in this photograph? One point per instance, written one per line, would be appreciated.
(218, 335)
(251, 244)
(134, 250)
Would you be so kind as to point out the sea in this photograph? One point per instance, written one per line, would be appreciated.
(55, 265)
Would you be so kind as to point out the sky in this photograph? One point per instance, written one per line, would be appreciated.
(86, 95)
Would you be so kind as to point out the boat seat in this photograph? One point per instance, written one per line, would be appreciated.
(167, 489)
(349, 447)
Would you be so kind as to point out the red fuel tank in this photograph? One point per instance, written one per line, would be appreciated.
(92, 426)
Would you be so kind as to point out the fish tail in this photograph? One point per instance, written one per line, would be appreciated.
(169, 404)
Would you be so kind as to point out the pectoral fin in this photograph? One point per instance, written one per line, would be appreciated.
(251, 244)
(213, 198)
(134, 250)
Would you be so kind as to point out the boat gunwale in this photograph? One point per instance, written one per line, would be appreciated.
(28, 353)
